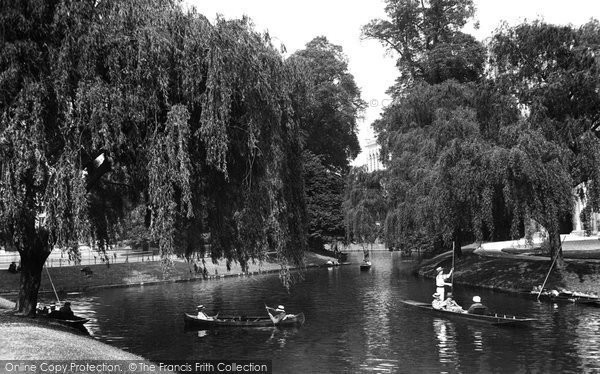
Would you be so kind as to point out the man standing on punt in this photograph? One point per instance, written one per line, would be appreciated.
(440, 282)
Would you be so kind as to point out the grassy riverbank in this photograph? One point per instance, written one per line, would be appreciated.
(72, 279)
(23, 338)
(513, 274)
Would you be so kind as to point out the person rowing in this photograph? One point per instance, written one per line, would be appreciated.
(440, 281)
(278, 314)
(202, 315)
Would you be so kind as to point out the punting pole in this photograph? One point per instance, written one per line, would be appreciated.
(551, 266)
(52, 283)
(453, 255)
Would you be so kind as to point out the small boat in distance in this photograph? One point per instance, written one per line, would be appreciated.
(242, 321)
(365, 265)
(495, 319)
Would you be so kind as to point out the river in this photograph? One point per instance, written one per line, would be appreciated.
(355, 322)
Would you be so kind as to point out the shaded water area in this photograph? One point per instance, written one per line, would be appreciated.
(355, 322)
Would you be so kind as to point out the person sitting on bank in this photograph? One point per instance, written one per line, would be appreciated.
(202, 315)
(278, 314)
(452, 306)
(478, 307)
(12, 268)
(440, 281)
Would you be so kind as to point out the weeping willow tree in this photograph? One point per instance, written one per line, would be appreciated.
(108, 105)
(364, 206)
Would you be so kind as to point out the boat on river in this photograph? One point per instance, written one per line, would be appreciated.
(75, 321)
(64, 318)
(365, 265)
(495, 319)
(242, 321)
(565, 297)
(71, 321)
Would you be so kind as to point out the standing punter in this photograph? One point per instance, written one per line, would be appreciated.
(440, 281)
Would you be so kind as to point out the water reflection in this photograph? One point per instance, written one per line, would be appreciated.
(446, 341)
(478, 340)
(587, 342)
(377, 305)
(355, 322)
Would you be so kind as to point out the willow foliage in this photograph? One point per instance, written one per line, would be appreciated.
(108, 104)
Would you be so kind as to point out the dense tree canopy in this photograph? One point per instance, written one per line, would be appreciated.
(428, 39)
(331, 124)
(554, 72)
(329, 129)
(324, 196)
(473, 157)
(364, 206)
(194, 120)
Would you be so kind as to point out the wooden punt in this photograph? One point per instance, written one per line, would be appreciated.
(565, 298)
(242, 321)
(492, 319)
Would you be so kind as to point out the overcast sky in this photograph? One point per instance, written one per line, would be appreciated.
(294, 23)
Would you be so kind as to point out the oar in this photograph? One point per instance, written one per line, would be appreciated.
(267, 308)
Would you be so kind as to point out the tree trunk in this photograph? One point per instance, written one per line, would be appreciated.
(33, 256)
(457, 244)
(556, 249)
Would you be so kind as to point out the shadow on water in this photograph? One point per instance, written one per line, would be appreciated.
(355, 321)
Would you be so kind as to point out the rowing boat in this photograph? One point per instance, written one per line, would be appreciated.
(365, 265)
(242, 321)
(495, 319)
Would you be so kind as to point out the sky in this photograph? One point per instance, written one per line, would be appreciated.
(294, 23)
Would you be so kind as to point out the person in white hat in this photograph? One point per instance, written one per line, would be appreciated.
(202, 315)
(440, 281)
(278, 314)
(477, 307)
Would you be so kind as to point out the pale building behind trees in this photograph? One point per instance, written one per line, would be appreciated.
(580, 204)
(369, 157)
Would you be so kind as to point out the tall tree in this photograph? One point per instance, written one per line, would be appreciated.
(364, 206)
(324, 196)
(428, 39)
(554, 73)
(329, 127)
(331, 124)
(438, 177)
(194, 120)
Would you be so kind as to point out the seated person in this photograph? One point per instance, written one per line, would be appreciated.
(278, 314)
(42, 309)
(66, 311)
(437, 302)
(478, 307)
(202, 315)
(452, 305)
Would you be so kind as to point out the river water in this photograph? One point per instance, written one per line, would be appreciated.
(355, 322)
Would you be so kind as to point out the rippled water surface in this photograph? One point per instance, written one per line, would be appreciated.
(355, 322)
